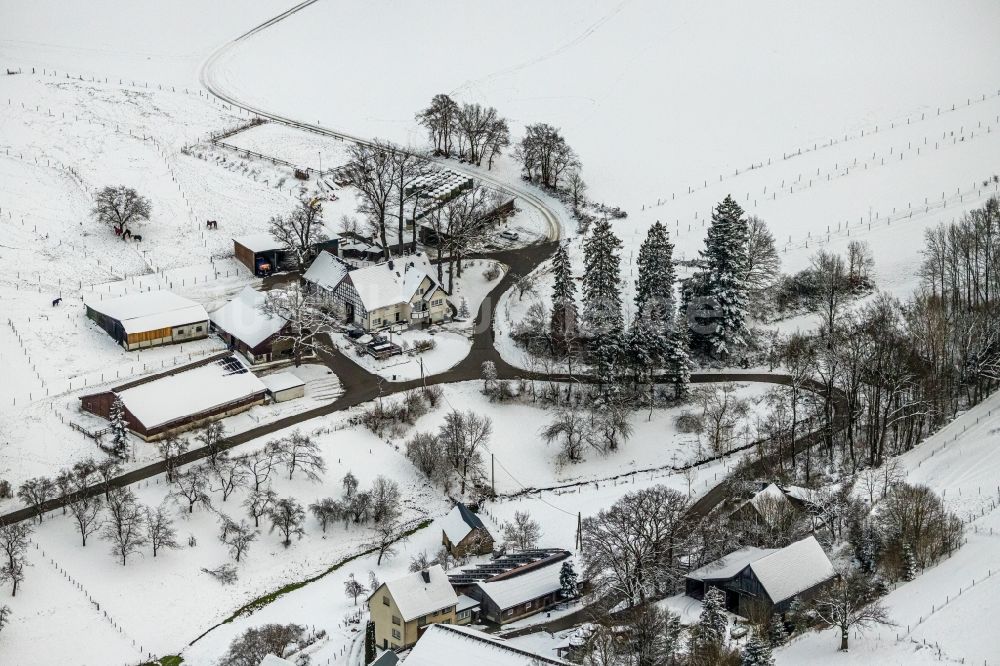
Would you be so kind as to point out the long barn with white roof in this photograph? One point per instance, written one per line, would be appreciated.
(149, 319)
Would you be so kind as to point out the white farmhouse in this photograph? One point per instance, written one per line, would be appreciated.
(398, 291)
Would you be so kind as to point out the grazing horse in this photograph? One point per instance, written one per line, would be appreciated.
(128, 233)
(137, 238)
(56, 301)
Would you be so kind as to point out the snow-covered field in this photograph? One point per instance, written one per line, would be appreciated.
(832, 121)
(945, 607)
(668, 120)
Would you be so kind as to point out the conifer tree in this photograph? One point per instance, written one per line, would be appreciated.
(725, 259)
(564, 314)
(654, 286)
(777, 635)
(677, 359)
(602, 284)
(712, 623)
(119, 428)
(568, 581)
(757, 652)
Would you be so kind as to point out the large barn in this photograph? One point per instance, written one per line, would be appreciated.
(149, 319)
(183, 398)
(759, 582)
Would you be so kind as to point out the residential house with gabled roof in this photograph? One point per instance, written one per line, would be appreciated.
(761, 581)
(402, 608)
(443, 644)
(464, 534)
(400, 291)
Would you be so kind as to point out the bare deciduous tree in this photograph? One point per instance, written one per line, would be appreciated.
(299, 451)
(287, 516)
(354, 588)
(307, 319)
(86, 511)
(160, 529)
(259, 503)
(170, 447)
(120, 208)
(125, 525)
(850, 602)
(14, 540)
(35, 492)
(192, 486)
(464, 435)
(300, 231)
(522, 533)
(372, 170)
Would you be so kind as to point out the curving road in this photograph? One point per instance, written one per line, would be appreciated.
(359, 385)
(209, 79)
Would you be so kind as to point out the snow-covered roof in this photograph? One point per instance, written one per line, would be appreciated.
(520, 588)
(387, 658)
(730, 565)
(242, 318)
(392, 282)
(415, 597)
(459, 522)
(259, 242)
(281, 381)
(191, 391)
(326, 271)
(793, 569)
(807, 495)
(271, 660)
(150, 310)
(465, 603)
(450, 644)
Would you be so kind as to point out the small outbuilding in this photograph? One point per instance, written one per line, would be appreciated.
(247, 329)
(264, 254)
(463, 533)
(149, 319)
(282, 386)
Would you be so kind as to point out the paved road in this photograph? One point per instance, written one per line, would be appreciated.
(360, 386)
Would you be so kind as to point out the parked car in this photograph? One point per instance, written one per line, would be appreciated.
(509, 235)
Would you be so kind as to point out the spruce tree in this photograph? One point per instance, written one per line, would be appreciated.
(677, 359)
(564, 315)
(654, 286)
(119, 428)
(568, 581)
(602, 284)
(757, 652)
(712, 622)
(777, 635)
(725, 260)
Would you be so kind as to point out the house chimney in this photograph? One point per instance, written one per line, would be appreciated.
(426, 575)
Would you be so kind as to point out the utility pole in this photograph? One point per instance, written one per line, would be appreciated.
(579, 531)
(493, 475)
(422, 377)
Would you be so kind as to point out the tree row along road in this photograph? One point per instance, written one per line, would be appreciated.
(360, 386)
